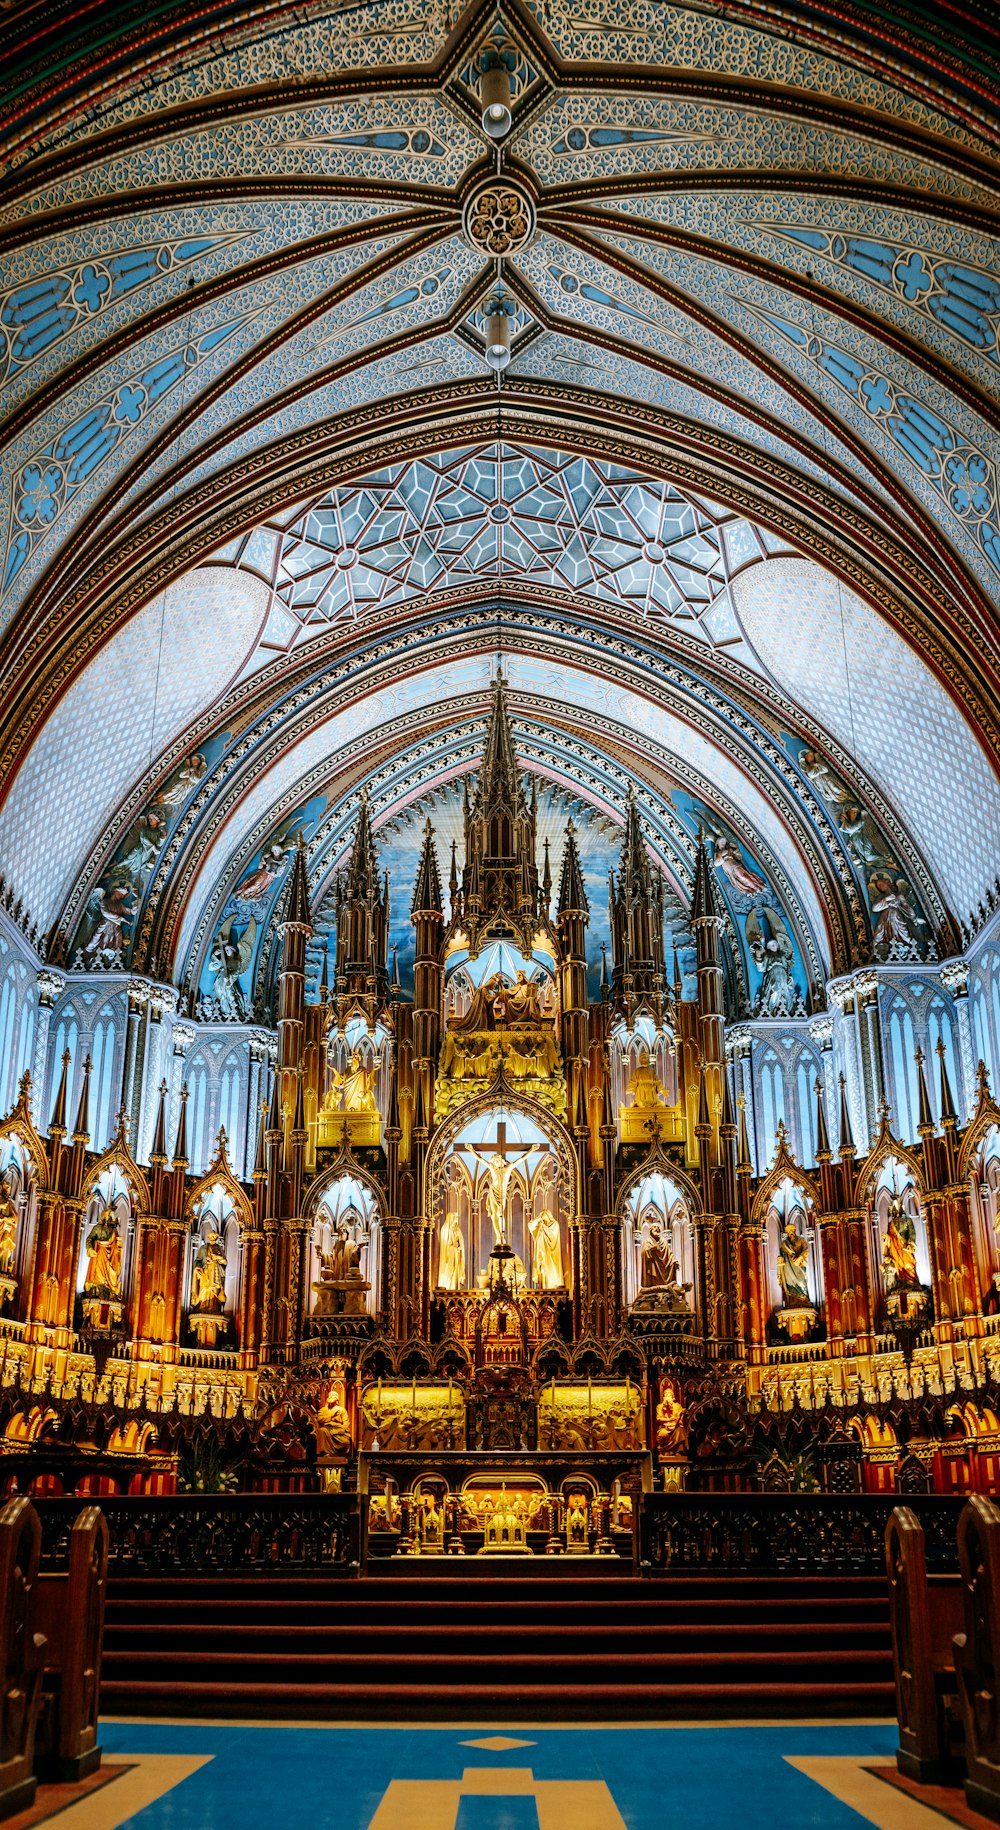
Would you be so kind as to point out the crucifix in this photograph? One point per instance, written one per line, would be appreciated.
(499, 1172)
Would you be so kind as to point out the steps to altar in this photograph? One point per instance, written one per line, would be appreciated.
(481, 1643)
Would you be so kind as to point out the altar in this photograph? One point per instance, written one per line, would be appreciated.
(471, 1503)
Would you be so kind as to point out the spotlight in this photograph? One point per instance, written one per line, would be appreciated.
(498, 341)
(494, 91)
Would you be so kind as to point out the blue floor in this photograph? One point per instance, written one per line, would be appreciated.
(715, 1778)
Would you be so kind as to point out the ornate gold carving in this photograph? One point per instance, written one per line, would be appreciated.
(500, 218)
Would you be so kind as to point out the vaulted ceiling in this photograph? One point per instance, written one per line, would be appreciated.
(729, 519)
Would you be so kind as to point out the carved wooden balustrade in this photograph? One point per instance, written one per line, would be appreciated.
(210, 1533)
(796, 1533)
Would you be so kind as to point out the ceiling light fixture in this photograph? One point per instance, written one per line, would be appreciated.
(494, 93)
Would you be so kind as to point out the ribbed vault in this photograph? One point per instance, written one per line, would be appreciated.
(732, 519)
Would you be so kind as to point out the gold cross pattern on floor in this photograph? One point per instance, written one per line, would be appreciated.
(432, 1804)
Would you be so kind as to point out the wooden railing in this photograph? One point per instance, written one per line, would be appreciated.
(795, 1533)
(215, 1533)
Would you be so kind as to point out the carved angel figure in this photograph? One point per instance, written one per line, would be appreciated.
(231, 953)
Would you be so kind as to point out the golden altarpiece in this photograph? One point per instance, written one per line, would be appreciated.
(503, 1261)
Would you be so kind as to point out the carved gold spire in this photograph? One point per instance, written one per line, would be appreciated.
(500, 885)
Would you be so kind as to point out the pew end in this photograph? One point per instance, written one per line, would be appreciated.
(925, 1613)
(70, 1612)
(22, 1654)
(977, 1653)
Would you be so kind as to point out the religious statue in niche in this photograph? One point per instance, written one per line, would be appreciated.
(899, 1247)
(355, 1090)
(660, 1287)
(332, 1430)
(546, 1251)
(659, 1266)
(773, 953)
(8, 1228)
(509, 1025)
(797, 1313)
(671, 1422)
(648, 1113)
(451, 1253)
(793, 1266)
(341, 1289)
(207, 1308)
(208, 1272)
(103, 1247)
(350, 1103)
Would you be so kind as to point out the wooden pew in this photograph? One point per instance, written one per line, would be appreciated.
(925, 1613)
(22, 1652)
(70, 1613)
(977, 1651)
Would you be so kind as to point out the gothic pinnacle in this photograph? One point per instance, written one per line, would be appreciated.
(925, 1117)
(427, 894)
(81, 1130)
(158, 1154)
(822, 1136)
(948, 1114)
(297, 908)
(704, 898)
(57, 1123)
(846, 1142)
(572, 895)
(180, 1156)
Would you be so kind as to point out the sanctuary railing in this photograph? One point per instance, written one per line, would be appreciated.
(215, 1533)
(798, 1534)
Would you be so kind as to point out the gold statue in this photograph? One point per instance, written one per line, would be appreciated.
(208, 1273)
(499, 1172)
(451, 1254)
(546, 1252)
(517, 1003)
(104, 1254)
(899, 1247)
(648, 1110)
(8, 1229)
(671, 1423)
(355, 1090)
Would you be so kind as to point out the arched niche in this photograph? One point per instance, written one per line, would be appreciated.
(985, 1202)
(357, 1044)
(630, 1046)
(18, 1193)
(898, 1231)
(792, 1252)
(344, 1261)
(658, 1243)
(499, 963)
(106, 1243)
(538, 1195)
(212, 1266)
